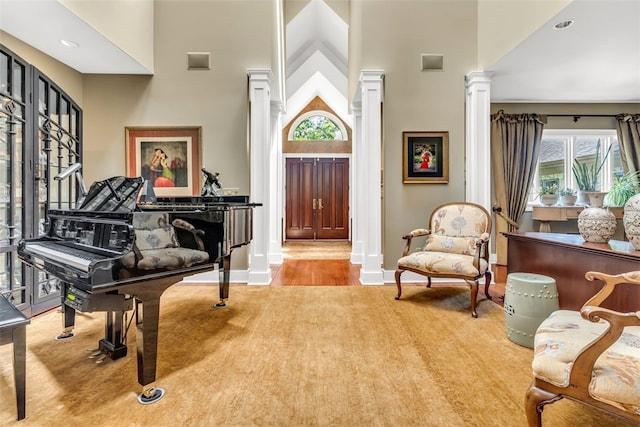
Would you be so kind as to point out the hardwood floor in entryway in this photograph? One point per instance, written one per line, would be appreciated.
(316, 263)
(316, 272)
(326, 263)
(316, 249)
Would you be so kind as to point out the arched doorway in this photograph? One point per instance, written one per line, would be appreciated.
(317, 151)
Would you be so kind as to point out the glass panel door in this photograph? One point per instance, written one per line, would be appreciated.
(13, 119)
(57, 148)
(40, 136)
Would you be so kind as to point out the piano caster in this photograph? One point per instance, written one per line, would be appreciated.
(66, 334)
(221, 304)
(150, 395)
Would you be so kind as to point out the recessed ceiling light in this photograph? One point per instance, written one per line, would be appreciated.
(563, 24)
(69, 43)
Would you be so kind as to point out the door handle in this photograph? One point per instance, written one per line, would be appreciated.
(319, 203)
(314, 204)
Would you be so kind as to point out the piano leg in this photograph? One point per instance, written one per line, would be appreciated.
(224, 269)
(68, 316)
(147, 320)
(147, 300)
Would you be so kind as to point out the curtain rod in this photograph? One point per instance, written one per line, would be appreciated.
(577, 117)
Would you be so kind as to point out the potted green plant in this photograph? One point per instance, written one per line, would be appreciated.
(568, 196)
(623, 188)
(549, 194)
(587, 174)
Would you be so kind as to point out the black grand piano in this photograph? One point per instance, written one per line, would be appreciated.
(114, 254)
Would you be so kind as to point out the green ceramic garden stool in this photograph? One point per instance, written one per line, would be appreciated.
(528, 299)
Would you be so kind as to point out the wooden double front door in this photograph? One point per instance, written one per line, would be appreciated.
(317, 205)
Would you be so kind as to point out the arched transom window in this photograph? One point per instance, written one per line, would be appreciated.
(317, 126)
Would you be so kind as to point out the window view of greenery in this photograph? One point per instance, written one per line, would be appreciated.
(558, 151)
(317, 128)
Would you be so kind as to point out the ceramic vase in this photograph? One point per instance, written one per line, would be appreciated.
(596, 225)
(568, 200)
(548, 199)
(595, 199)
(631, 221)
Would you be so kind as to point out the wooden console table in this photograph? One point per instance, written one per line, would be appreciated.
(546, 214)
(567, 257)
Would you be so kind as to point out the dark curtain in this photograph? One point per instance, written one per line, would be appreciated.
(515, 146)
(628, 129)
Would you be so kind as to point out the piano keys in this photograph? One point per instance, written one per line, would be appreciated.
(98, 252)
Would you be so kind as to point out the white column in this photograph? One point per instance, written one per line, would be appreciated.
(259, 148)
(478, 138)
(357, 178)
(276, 184)
(369, 175)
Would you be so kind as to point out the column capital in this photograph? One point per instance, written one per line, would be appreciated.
(371, 76)
(475, 77)
(370, 79)
(277, 108)
(260, 74)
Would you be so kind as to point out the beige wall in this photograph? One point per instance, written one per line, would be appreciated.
(417, 100)
(238, 38)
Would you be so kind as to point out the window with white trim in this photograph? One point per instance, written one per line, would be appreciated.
(558, 149)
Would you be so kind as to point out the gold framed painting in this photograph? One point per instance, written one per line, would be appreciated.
(167, 157)
(425, 157)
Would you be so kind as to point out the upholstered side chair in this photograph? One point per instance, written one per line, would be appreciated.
(160, 245)
(457, 247)
(590, 356)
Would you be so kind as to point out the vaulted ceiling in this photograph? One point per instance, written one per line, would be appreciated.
(317, 60)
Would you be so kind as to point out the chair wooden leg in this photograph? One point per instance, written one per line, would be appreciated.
(474, 297)
(534, 402)
(487, 282)
(398, 273)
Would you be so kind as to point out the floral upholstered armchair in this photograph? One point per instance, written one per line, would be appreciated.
(457, 247)
(590, 356)
(157, 247)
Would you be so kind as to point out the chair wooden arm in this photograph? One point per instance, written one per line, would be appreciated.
(582, 369)
(591, 310)
(482, 244)
(610, 282)
(414, 233)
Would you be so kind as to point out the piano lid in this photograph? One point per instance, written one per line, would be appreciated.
(116, 194)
